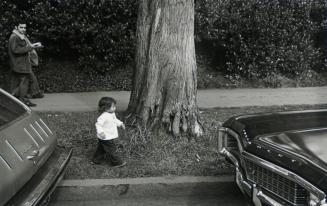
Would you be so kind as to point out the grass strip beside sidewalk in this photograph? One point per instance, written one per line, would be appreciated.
(149, 155)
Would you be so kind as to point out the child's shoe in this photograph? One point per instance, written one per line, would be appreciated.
(92, 162)
(122, 164)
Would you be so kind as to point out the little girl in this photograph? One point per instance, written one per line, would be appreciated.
(107, 133)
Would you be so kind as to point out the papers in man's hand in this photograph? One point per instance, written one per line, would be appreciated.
(37, 45)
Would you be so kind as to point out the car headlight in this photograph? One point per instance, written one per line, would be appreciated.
(315, 201)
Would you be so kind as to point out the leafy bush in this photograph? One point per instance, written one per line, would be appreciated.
(244, 38)
(261, 37)
(6, 22)
(319, 16)
(99, 33)
(72, 80)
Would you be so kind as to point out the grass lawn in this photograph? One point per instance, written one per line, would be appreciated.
(146, 154)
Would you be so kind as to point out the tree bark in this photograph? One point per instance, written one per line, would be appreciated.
(165, 78)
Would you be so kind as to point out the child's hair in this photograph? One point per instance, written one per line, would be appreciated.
(105, 103)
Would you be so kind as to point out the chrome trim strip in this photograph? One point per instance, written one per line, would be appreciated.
(37, 144)
(244, 186)
(37, 133)
(287, 174)
(6, 163)
(310, 130)
(226, 153)
(46, 126)
(41, 128)
(223, 140)
(16, 100)
(27, 112)
(280, 113)
(13, 149)
(265, 198)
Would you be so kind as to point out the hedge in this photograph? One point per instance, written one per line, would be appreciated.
(249, 38)
(262, 37)
(99, 33)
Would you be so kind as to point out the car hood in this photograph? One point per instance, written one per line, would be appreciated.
(293, 140)
(302, 152)
(308, 144)
(251, 126)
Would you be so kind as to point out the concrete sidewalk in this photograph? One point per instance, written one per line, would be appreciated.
(87, 101)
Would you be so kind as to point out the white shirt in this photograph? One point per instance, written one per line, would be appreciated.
(107, 124)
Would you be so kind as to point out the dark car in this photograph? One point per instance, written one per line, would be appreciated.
(279, 158)
(31, 165)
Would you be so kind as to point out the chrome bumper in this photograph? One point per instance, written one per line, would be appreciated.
(38, 189)
(247, 188)
(251, 190)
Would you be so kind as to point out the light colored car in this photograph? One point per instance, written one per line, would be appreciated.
(30, 163)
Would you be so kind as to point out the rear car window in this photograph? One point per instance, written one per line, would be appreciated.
(9, 109)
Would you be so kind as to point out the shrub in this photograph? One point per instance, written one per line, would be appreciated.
(99, 33)
(7, 19)
(72, 80)
(319, 15)
(260, 37)
(244, 38)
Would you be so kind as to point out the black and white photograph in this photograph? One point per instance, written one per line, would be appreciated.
(163, 102)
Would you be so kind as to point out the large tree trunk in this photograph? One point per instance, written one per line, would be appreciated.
(165, 79)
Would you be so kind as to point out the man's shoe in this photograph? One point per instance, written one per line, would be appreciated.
(28, 96)
(28, 102)
(92, 162)
(37, 95)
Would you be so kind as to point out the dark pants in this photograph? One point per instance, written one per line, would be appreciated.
(33, 84)
(22, 84)
(19, 84)
(107, 149)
